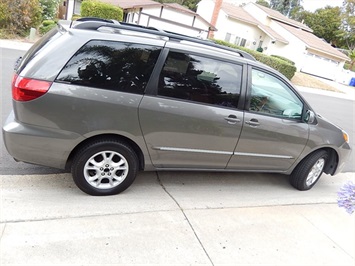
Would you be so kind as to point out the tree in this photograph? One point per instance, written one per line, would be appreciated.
(348, 24)
(262, 3)
(325, 23)
(285, 7)
(50, 8)
(18, 16)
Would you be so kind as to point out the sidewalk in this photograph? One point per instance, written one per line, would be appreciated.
(173, 218)
(18, 45)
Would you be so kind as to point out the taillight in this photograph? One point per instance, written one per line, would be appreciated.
(25, 89)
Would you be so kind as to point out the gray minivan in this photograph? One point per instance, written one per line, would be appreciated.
(104, 100)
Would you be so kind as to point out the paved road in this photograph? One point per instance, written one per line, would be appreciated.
(340, 111)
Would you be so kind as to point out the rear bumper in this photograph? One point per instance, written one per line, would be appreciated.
(38, 145)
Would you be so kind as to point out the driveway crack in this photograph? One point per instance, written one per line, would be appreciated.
(187, 219)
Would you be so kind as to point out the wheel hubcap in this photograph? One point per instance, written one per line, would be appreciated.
(106, 169)
(315, 172)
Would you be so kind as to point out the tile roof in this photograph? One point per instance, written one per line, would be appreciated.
(238, 13)
(276, 15)
(180, 7)
(313, 41)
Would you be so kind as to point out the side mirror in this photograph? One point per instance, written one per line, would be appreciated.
(310, 117)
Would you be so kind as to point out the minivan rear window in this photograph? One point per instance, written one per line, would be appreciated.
(111, 65)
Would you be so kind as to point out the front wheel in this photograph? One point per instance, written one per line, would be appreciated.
(308, 171)
(104, 167)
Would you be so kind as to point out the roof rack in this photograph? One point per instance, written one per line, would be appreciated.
(96, 23)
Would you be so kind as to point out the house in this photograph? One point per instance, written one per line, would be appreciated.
(68, 8)
(170, 16)
(255, 26)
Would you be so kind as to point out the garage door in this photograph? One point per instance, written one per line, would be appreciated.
(320, 66)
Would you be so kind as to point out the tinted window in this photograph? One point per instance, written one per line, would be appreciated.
(272, 96)
(111, 65)
(199, 79)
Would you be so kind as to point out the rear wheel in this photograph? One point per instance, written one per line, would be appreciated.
(104, 167)
(309, 170)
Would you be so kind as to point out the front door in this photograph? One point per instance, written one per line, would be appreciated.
(273, 135)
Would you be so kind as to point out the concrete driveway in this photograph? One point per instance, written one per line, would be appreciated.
(173, 218)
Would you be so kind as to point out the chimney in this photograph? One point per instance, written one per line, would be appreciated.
(217, 8)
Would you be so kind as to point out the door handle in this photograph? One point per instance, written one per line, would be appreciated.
(253, 122)
(232, 119)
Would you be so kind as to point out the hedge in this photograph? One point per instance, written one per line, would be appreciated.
(280, 65)
(93, 8)
(284, 58)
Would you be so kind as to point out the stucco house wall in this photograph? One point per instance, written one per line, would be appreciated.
(229, 29)
(294, 50)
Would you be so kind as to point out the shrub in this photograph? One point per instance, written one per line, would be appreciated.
(93, 8)
(280, 65)
(46, 26)
(18, 16)
(284, 58)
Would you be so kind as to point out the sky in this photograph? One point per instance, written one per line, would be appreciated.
(312, 5)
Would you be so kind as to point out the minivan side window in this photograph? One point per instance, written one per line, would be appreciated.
(111, 65)
(271, 96)
(200, 79)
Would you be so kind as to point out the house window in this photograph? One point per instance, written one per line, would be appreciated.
(243, 42)
(77, 6)
(228, 37)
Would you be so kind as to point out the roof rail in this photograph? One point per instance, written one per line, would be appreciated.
(96, 23)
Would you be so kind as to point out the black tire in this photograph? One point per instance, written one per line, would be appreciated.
(302, 177)
(104, 167)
